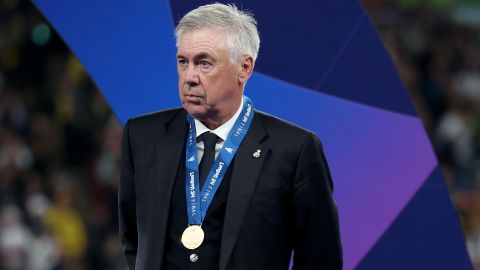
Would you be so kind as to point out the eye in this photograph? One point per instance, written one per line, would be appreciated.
(204, 63)
(182, 62)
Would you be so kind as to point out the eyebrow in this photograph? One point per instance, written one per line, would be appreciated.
(202, 56)
(199, 56)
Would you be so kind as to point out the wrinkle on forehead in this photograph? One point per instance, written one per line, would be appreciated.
(207, 40)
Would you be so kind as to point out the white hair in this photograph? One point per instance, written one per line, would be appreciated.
(241, 31)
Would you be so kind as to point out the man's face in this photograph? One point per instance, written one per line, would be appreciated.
(209, 85)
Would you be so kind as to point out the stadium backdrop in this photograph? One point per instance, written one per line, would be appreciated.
(321, 65)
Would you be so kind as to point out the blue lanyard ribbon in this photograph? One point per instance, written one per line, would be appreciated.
(199, 201)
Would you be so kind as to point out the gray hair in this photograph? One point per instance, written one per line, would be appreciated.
(241, 31)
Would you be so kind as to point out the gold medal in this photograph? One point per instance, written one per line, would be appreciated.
(193, 237)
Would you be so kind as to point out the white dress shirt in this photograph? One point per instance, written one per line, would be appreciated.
(221, 132)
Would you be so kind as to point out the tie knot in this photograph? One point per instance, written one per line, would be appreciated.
(209, 140)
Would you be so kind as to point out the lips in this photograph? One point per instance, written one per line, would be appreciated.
(192, 98)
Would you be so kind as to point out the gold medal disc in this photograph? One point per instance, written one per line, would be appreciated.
(193, 237)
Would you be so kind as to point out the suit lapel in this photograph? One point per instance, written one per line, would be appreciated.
(169, 152)
(246, 170)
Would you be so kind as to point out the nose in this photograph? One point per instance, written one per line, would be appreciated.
(191, 75)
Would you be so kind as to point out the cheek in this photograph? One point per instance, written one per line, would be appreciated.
(180, 88)
(180, 79)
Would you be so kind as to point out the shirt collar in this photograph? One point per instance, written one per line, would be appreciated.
(223, 130)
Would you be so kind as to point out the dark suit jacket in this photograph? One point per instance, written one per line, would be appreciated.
(278, 202)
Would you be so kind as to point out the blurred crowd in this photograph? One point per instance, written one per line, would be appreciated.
(59, 153)
(436, 48)
(60, 143)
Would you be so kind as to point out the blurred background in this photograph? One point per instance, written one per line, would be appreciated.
(60, 142)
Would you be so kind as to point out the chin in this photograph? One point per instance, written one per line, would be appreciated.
(197, 112)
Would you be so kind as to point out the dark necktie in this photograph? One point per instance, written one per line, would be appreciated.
(209, 141)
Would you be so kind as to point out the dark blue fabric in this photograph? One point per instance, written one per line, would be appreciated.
(425, 222)
(317, 44)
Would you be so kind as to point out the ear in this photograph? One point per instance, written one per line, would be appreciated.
(246, 69)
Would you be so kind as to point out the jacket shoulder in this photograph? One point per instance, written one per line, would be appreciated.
(274, 124)
(285, 133)
(153, 119)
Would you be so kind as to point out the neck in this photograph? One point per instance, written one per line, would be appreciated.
(214, 122)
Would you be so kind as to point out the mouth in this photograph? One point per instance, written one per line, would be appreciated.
(193, 98)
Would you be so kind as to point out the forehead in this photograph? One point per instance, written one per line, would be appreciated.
(205, 40)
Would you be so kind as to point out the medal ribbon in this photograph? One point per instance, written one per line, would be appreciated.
(199, 201)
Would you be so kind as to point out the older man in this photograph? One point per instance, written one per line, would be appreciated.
(217, 184)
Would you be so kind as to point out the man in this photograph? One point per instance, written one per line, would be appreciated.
(217, 184)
